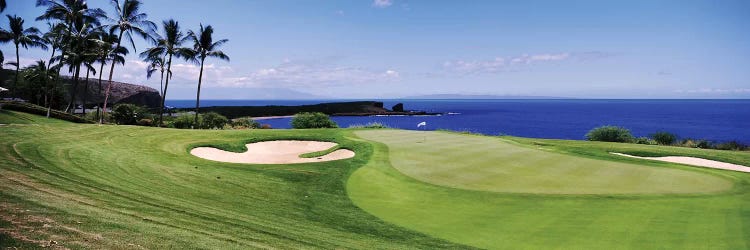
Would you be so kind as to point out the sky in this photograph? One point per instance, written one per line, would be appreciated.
(355, 49)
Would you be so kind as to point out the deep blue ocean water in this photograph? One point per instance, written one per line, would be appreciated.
(716, 120)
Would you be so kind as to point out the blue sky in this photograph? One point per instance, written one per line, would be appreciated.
(395, 48)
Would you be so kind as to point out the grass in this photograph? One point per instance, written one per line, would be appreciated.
(126, 186)
(498, 220)
(90, 186)
(461, 161)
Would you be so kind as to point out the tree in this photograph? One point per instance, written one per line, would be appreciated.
(54, 39)
(169, 45)
(39, 74)
(204, 47)
(79, 51)
(105, 51)
(156, 62)
(21, 37)
(129, 21)
(70, 14)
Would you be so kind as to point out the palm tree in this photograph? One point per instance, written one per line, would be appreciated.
(43, 75)
(22, 38)
(169, 45)
(2, 39)
(156, 63)
(205, 47)
(78, 53)
(53, 38)
(129, 22)
(72, 14)
(105, 51)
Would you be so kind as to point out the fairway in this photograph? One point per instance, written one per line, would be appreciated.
(538, 221)
(490, 164)
(113, 187)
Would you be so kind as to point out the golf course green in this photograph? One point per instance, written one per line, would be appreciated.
(91, 186)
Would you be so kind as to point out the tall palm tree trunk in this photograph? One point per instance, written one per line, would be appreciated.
(109, 84)
(198, 96)
(98, 109)
(72, 103)
(86, 90)
(164, 95)
(50, 91)
(18, 70)
(161, 83)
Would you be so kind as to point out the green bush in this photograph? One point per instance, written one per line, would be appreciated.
(212, 120)
(243, 123)
(609, 134)
(93, 116)
(184, 121)
(664, 138)
(128, 114)
(645, 140)
(312, 120)
(732, 145)
(369, 125)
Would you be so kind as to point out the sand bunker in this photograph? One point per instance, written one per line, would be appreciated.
(274, 152)
(694, 162)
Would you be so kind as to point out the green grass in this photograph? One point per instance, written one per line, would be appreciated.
(126, 186)
(490, 164)
(90, 186)
(522, 220)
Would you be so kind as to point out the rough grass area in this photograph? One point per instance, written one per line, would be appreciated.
(539, 221)
(137, 187)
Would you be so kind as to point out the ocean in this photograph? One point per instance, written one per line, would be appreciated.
(715, 120)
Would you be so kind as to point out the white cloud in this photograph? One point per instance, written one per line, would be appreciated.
(382, 3)
(504, 64)
(292, 74)
(714, 91)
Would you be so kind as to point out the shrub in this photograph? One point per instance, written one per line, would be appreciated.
(145, 122)
(609, 134)
(242, 123)
(703, 144)
(212, 120)
(732, 145)
(664, 138)
(93, 116)
(312, 120)
(645, 140)
(184, 121)
(369, 125)
(128, 114)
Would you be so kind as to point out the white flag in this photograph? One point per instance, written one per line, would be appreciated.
(422, 124)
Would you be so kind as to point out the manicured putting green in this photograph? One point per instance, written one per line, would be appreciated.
(493, 220)
(491, 164)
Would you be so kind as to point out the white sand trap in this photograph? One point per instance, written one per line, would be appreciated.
(693, 161)
(274, 152)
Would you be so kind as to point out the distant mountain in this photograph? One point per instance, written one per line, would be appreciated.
(225, 93)
(460, 96)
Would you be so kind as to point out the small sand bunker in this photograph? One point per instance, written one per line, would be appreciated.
(274, 152)
(694, 162)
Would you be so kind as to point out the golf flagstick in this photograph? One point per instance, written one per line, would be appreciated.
(424, 130)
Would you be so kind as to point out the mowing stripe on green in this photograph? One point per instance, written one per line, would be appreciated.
(491, 164)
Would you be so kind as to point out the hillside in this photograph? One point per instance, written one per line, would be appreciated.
(120, 93)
